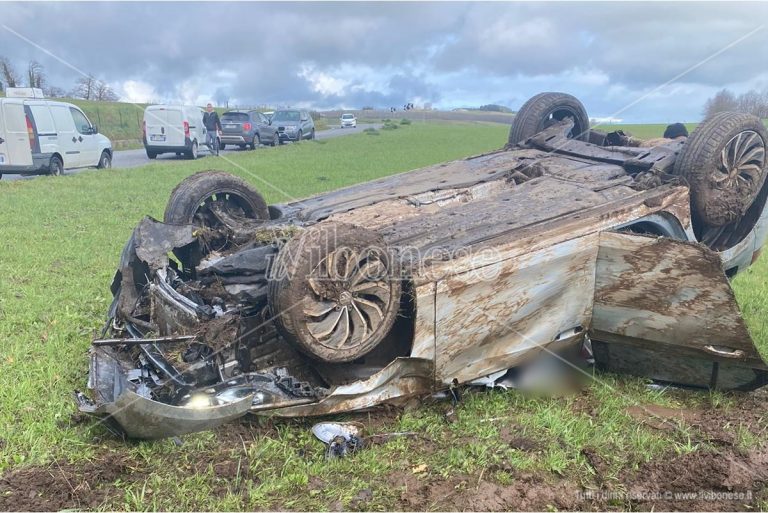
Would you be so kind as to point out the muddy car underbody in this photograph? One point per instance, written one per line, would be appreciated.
(401, 287)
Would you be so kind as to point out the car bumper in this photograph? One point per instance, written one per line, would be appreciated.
(289, 136)
(40, 166)
(345, 125)
(161, 148)
(236, 139)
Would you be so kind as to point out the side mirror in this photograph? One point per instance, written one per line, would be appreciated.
(94, 129)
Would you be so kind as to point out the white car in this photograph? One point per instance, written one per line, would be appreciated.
(348, 120)
(39, 136)
(175, 129)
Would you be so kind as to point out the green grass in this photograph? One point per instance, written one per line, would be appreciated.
(61, 241)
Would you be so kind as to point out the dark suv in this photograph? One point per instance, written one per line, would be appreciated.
(293, 125)
(247, 129)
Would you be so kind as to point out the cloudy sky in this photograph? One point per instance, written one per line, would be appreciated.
(640, 62)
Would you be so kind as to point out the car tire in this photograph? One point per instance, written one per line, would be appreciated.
(256, 142)
(105, 161)
(242, 146)
(222, 146)
(178, 154)
(312, 135)
(343, 313)
(190, 199)
(56, 166)
(545, 109)
(151, 155)
(724, 162)
(300, 137)
(275, 140)
(192, 154)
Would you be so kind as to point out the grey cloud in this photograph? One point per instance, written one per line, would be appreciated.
(458, 53)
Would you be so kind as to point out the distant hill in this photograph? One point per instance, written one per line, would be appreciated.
(491, 107)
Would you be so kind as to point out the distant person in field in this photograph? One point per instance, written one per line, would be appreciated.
(213, 128)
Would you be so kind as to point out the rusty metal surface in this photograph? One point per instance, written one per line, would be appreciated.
(397, 382)
(487, 325)
(670, 299)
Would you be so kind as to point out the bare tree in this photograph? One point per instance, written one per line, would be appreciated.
(8, 73)
(35, 75)
(104, 93)
(85, 88)
(54, 92)
(723, 101)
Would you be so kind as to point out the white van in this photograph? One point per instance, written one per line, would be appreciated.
(175, 129)
(39, 136)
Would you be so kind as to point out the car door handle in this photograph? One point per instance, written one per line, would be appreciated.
(2, 140)
(725, 352)
(74, 139)
(80, 138)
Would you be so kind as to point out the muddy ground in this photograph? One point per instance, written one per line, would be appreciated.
(720, 476)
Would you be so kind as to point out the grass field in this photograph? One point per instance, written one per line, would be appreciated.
(501, 450)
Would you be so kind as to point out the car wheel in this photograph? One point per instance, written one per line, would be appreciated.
(256, 142)
(222, 146)
(151, 155)
(56, 166)
(300, 136)
(105, 161)
(178, 154)
(724, 162)
(275, 140)
(334, 291)
(192, 199)
(312, 135)
(242, 146)
(192, 154)
(543, 111)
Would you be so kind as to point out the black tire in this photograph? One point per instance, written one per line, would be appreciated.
(256, 142)
(300, 137)
(724, 162)
(312, 135)
(189, 201)
(275, 140)
(280, 141)
(151, 155)
(56, 166)
(545, 109)
(105, 161)
(242, 146)
(222, 146)
(192, 154)
(334, 315)
(178, 154)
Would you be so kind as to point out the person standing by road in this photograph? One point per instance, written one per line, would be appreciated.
(213, 129)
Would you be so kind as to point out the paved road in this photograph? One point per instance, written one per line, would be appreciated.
(135, 158)
(126, 159)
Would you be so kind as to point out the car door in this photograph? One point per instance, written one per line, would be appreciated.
(86, 137)
(664, 309)
(68, 144)
(266, 131)
(14, 137)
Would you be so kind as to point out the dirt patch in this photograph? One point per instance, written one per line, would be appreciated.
(63, 485)
(527, 492)
(700, 481)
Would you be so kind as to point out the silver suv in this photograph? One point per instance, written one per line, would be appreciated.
(293, 125)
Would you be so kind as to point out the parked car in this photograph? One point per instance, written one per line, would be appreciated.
(175, 129)
(39, 136)
(293, 125)
(458, 273)
(250, 128)
(348, 120)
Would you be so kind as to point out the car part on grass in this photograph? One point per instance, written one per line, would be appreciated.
(341, 439)
(426, 281)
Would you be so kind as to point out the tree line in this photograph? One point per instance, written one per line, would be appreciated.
(86, 88)
(751, 102)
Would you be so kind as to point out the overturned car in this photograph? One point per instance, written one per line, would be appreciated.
(406, 285)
